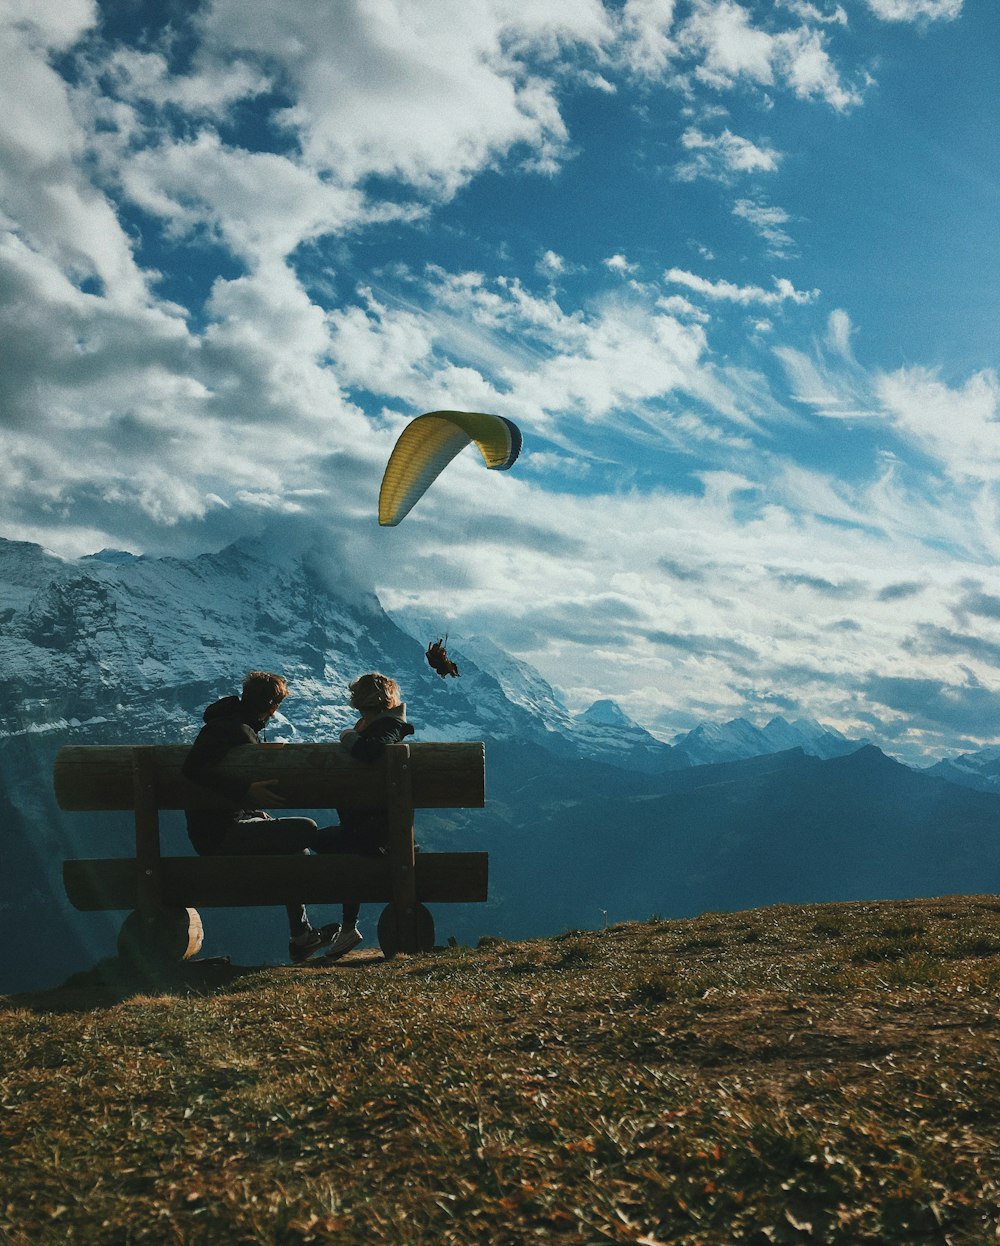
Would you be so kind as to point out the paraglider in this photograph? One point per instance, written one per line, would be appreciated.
(437, 656)
(428, 444)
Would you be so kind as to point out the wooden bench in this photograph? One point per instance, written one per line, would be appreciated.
(165, 892)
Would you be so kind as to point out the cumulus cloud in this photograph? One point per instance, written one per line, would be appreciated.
(648, 46)
(722, 157)
(387, 92)
(731, 50)
(619, 264)
(260, 205)
(524, 354)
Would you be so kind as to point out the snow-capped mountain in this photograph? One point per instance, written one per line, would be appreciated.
(114, 647)
(581, 808)
(601, 733)
(606, 723)
(980, 770)
(731, 741)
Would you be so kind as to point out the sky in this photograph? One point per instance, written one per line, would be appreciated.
(733, 269)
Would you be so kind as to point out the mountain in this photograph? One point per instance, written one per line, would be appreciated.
(980, 770)
(731, 741)
(605, 732)
(115, 648)
(585, 813)
(781, 828)
(602, 733)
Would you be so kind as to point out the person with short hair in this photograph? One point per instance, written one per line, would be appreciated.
(242, 829)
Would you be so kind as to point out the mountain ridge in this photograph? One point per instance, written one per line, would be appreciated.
(112, 650)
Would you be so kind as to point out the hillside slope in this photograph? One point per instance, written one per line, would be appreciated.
(787, 1075)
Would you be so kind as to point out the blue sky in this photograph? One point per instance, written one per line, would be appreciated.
(732, 268)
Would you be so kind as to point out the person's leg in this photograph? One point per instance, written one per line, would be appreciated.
(273, 836)
(341, 839)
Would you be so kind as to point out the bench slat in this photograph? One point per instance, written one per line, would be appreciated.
(236, 882)
(308, 776)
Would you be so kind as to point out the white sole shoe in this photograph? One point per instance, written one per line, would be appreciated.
(343, 943)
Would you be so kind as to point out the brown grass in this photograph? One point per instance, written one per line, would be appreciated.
(796, 1074)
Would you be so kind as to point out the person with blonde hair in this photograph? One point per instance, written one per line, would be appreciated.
(382, 721)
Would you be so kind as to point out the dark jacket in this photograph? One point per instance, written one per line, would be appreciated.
(369, 828)
(227, 726)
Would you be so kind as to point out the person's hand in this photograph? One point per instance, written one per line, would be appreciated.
(262, 793)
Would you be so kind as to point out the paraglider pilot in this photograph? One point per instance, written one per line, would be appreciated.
(437, 656)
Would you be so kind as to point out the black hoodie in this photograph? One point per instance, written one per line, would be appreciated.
(227, 726)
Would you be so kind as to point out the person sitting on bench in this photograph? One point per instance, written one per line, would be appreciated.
(242, 829)
(379, 701)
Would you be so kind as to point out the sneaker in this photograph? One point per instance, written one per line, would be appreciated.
(343, 944)
(304, 945)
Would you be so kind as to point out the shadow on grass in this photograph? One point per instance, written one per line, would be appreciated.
(117, 979)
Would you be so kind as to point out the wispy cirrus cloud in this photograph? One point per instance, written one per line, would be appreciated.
(916, 10)
(728, 292)
(769, 222)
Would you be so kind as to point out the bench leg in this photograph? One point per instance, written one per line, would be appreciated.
(405, 930)
(159, 935)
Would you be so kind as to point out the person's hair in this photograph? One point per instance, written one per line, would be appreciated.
(375, 692)
(263, 691)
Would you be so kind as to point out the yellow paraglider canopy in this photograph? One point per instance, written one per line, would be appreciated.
(428, 444)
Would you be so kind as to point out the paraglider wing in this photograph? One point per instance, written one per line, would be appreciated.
(428, 444)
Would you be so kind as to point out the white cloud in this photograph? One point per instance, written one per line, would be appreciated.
(430, 98)
(49, 24)
(723, 156)
(769, 222)
(727, 291)
(645, 26)
(916, 10)
(261, 205)
(677, 305)
(147, 76)
(732, 50)
(619, 264)
(812, 13)
(959, 428)
(551, 265)
(56, 209)
(837, 390)
(838, 333)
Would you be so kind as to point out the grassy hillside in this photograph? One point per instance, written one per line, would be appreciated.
(818, 1074)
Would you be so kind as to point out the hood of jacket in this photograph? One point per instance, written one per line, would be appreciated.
(232, 707)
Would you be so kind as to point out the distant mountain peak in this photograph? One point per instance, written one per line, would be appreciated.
(739, 738)
(607, 713)
(111, 555)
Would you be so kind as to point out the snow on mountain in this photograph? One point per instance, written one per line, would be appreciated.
(107, 649)
(521, 683)
(979, 770)
(737, 739)
(607, 713)
(607, 726)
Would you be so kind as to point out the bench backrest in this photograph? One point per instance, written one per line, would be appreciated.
(307, 776)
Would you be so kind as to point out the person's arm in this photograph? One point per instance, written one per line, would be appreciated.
(368, 744)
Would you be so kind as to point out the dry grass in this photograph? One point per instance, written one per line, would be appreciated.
(812, 1074)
